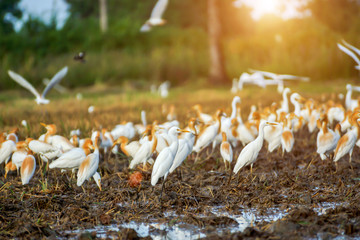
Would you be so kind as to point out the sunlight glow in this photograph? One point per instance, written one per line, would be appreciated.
(283, 8)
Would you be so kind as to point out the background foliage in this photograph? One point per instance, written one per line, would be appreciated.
(178, 51)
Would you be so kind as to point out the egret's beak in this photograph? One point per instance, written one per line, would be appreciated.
(182, 130)
(43, 124)
(6, 172)
(99, 185)
(272, 123)
(302, 100)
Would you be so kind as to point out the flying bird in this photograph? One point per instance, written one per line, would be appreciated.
(40, 99)
(80, 57)
(155, 18)
(351, 54)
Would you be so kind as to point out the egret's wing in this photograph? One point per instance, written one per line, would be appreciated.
(58, 87)
(356, 50)
(293, 77)
(348, 52)
(22, 82)
(159, 8)
(264, 73)
(145, 28)
(57, 78)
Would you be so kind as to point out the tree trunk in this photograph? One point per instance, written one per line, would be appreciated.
(217, 66)
(103, 16)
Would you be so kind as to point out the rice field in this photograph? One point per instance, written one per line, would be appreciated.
(291, 195)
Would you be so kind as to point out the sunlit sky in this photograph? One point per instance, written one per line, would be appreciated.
(284, 8)
(45, 9)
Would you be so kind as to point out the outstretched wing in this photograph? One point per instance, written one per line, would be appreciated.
(266, 74)
(348, 52)
(22, 82)
(159, 9)
(145, 28)
(56, 79)
(356, 50)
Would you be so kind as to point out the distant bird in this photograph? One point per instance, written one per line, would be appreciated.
(351, 53)
(250, 152)
(164, 89)
(226, 150)
(80, 57)
(40, 99)
(155, 18)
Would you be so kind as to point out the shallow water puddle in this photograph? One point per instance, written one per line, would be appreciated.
(181, 230)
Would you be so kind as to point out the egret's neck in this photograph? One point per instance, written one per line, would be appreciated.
(297, 108)
(348, 98)
(285, 105)
(233, 113)
(143, 118)
(123, 149)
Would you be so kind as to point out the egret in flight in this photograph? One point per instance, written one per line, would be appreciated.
(155, 18)
(40, 99)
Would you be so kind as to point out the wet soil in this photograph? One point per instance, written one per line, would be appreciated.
(52, 206)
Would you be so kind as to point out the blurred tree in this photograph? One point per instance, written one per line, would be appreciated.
(217, 73)
(8, 7)
(103, 16)
(83, 9)
(339, 15)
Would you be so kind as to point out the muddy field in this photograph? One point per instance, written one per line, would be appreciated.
(297, 196)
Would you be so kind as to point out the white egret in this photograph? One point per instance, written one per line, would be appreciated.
(347, 142)
(250, 152)
(90, 165)
(156, 16)
(40, 99)
(351, 54)
(28, 167)
(186, 145)
(165, 159)
(226, 150)
(326, 139)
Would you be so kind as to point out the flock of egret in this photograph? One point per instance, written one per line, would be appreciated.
(166, 146)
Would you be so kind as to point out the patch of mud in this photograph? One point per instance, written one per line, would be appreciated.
(297, 195)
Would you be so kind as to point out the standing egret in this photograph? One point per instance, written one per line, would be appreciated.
(226, 150)
(250, 152)
(40, 99)
(72, 158)
(129, 149)
(90, 165)
(28, 167)
(147, 148)
(208, 135)
(6, 149)
(165, 159)
(326, 139)
(186, 145)
(347, 142)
